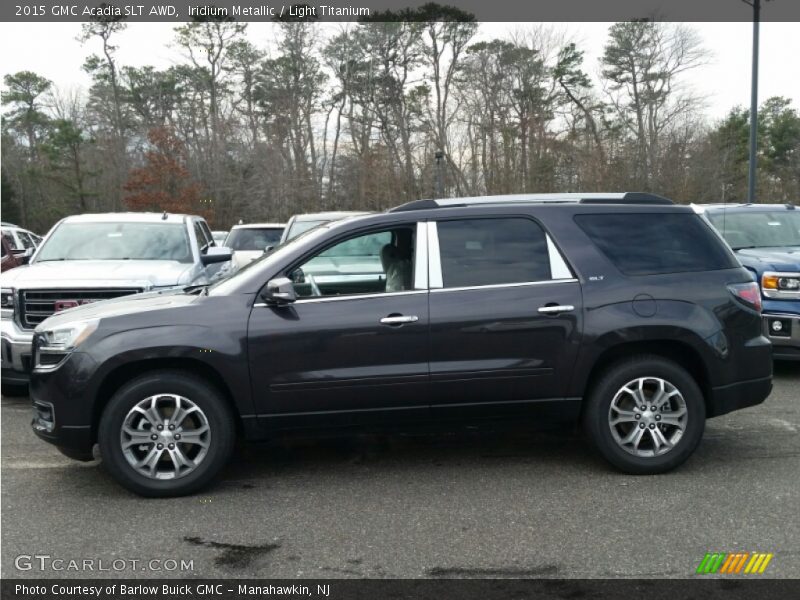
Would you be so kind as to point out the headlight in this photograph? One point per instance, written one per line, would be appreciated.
(781, 285)
(7, 303)
(68, 336)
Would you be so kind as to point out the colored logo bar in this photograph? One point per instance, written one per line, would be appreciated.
(734, 563)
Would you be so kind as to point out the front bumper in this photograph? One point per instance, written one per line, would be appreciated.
(62, 414)
(16, 352)
(786, 339)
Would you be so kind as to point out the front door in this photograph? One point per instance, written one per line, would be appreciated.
(505, 313)
(354, 347)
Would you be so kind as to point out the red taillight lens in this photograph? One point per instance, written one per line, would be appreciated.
(749, 293)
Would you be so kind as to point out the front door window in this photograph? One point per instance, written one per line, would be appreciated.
(379, 262)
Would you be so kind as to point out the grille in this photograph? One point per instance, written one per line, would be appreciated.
(36, 305)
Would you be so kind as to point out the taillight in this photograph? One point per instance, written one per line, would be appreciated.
(747, 293)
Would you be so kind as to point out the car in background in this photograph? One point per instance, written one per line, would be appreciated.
(249, 241)
(219, 237)
(766, 240)
(9, 258)
(92, 257)
(299, 224)
(23, 243)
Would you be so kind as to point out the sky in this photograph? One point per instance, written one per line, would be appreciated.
(52, 50)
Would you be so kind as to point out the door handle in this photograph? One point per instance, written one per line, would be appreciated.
(399, 319)
(556, 309)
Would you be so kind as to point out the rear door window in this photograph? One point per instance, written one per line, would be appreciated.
(479, 252)
(654, 243)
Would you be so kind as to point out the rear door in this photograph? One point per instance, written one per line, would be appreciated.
(505, 314)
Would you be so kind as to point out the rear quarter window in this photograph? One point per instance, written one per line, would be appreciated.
(655, 243)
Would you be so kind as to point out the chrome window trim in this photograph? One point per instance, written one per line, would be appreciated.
(504, 285)
(421, 257)
(558, 266)
(355, 297)
(435, 280)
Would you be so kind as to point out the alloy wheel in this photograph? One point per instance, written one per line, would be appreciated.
(648, 417)
(165, 436)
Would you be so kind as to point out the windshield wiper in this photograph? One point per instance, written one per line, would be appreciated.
(191, 289)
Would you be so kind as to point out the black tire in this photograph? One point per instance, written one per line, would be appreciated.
(204, 395)
(598, 402)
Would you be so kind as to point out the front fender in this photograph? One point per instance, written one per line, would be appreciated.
(222, 357)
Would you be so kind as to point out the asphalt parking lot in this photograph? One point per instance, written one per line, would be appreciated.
(462, 505)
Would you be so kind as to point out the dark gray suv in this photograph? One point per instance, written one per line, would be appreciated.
(621, 311)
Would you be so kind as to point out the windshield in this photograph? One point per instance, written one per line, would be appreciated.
(253, 239)
(117, 241)
(758, 229)
(299, 227)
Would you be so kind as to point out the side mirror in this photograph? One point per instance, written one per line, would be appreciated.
(269, 249)
(280, 291)
(216, 254)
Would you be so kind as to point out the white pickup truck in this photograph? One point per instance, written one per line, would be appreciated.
(93, 257)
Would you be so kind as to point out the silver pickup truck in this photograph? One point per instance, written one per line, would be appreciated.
(94, 257)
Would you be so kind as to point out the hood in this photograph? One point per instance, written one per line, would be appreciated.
(145, 274)
(771, 259)
(123, 305)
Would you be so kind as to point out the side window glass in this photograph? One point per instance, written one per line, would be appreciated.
(373, 263)
(207, 232)
(26, 240)
(202, 241)
(477, 252)
(12, 243)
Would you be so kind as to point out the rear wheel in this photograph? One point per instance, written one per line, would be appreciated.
(645, 415)
(166, 433)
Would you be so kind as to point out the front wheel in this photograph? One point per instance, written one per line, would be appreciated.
(645, 415)
(166, 433)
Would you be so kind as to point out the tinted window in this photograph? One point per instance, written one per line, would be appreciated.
(253, 239)
(646, 244)
(492, 251)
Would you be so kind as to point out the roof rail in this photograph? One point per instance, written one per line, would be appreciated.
(574, 198)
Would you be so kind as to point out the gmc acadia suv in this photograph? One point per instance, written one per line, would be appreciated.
(619, 310)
